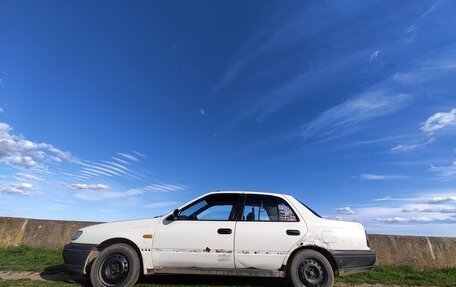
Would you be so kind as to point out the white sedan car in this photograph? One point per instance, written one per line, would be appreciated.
(224, 233)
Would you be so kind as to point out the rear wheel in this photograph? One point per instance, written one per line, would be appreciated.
(117, 265)
(310, 268)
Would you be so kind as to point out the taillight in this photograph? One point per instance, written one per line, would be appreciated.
(367, 239)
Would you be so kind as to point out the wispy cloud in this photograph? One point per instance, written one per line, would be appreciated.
(120, 160)
(445, 172)
(128, 156)
(104, 194)
(431, 210)
(228, 76)
(439, 121)
(23, 176)
(100, 196)
(161, 187)
(417, 220)
(140, 154)
(373, 176)
(85, 186)
(413, 27)
(409, 147)
(345, 210)
(345, 118)
(116, 168)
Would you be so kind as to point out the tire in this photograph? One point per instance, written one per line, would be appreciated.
(117, 265)
(310, 268)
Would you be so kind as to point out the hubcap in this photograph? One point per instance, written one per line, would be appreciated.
(114, 269)
(311, 273)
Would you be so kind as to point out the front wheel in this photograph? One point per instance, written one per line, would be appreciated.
(117, 265)
(310, 268)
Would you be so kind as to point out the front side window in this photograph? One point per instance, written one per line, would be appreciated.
(217, 207)
(267, 208)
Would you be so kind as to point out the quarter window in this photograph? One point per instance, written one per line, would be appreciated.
(286, 213)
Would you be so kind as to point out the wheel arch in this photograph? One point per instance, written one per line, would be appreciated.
(110, 242)
(319, 249)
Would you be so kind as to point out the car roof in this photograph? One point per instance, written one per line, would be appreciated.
(246, 192)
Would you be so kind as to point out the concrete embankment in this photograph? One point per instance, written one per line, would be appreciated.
(392, 250)
(37, 232)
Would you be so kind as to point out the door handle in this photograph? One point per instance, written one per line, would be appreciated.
(293, 232)
(224, 231)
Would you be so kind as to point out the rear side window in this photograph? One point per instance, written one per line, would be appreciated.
(267, 208)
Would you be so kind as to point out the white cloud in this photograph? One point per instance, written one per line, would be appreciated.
(409, 147)
(85, 186)
(440, 199)
(445, 172)
(16, 150)
(439, 121)
(345, 210)
(1, 110)
(24, 176)
(24, 189)
(372, 176)
(345, 118)
(202, 112)
(161, 204)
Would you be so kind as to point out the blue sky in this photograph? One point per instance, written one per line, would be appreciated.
(127, 110)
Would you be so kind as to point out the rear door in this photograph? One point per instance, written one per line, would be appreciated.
(266, 230)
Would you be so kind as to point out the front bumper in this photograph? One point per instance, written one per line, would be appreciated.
(354, 261)
(75, 256)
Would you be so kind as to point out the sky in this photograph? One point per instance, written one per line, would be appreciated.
(128, 109)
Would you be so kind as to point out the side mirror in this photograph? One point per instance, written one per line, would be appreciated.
(173, 216)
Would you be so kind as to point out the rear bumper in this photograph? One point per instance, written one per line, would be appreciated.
(75, 256)
(354, 261)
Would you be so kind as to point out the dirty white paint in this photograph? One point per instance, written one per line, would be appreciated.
(254, 245)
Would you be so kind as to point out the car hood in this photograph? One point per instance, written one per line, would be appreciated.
(133, 230)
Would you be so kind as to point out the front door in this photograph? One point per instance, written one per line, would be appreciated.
(202, 235)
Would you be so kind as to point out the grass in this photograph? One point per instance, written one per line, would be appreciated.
(25, 258)
(403, 275)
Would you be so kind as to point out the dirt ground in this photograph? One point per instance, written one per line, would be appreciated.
(9, 275)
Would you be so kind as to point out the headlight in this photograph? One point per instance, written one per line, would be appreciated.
(76, 235)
